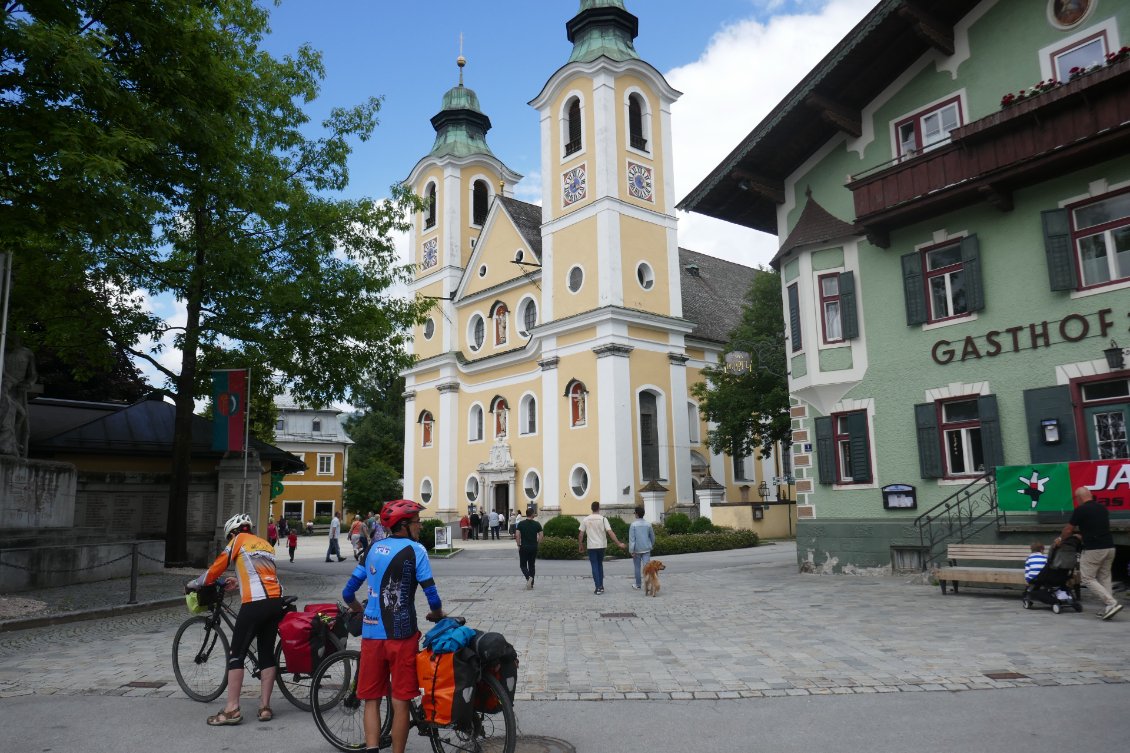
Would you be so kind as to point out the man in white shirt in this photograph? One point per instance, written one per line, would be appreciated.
(494, 524)
(595, 530)
(335, 531)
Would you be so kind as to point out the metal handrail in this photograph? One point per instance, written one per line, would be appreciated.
(960, 516)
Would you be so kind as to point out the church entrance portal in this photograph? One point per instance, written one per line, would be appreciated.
(501, 499)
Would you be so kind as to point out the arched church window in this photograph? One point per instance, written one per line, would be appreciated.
(649, 436)
(529, 415)
(573, 135)
(430, 210)
(475, 424)
(479, 199)
(635, 123)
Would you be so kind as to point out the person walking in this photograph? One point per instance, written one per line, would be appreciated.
(355, 536)
(493, 522)
(292, 542)
(259, 614)
(335, 531)
(641, 538)
(1091, 521)
(389, 633)
(284, 529)
(528, 534)
(594, 533)
(272, 532)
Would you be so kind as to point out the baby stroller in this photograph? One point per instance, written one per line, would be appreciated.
(1057, 584)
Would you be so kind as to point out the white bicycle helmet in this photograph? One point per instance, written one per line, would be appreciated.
(235, 521)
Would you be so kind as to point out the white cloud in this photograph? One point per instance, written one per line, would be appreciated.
(747, 68)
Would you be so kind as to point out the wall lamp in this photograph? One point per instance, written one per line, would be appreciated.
(1116, 356)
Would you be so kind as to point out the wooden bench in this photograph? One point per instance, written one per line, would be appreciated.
(1013, 575)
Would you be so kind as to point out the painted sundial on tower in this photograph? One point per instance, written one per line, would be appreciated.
(639, 182)
(574, 185)
(431, 253)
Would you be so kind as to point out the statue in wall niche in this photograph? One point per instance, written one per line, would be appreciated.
(20, 377)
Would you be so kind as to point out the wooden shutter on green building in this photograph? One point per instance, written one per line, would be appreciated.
(1062, 274)
(971, 273)
(825, 453)
(913, 289)
(1045, 403)
(849, 313)
(929, 444)
(794, 317)
(860, 447)
(992, 448)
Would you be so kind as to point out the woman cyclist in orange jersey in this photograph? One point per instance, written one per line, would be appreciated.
(259, 615)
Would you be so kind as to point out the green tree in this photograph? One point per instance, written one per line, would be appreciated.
(219, 197)
(376, 459)
(750, 404)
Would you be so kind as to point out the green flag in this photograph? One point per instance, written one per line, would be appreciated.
(276, 484)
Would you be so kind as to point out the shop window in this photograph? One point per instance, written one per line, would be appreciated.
(943, 282)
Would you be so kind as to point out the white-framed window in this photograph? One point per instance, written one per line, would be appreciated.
(323, 508)
(575, 279)
(1078, 57)
(1101, 237)
(852, 447)
(527, 316)
(500, 409)
(831, 322)
(475, 423)
(649, 436)
(579, 481)
(528, 415)
(429, 328)
(292, 510)
(430, 197)
(645, 276)
(279, 424)
(316, 426)
(500, 315)
(638, 114)
(480, 201)
(531, 484)
(427, 423)
(325, 464)
(472, 488)
(476, 332)
(962, 449)
(572, 126)
(927, 129)
(694, 428)
(578, 396)
(426, 491)
(945, 281)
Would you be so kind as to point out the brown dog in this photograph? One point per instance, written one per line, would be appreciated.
(651, 577)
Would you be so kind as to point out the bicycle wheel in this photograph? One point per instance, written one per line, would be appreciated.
(490, 733)
(295, 686)
(338, 712)
(200, 659)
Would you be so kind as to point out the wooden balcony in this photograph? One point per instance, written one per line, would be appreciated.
(1076, 125)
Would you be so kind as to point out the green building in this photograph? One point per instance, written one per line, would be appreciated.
(950, 187)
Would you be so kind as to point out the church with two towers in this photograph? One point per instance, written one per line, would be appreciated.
(554, 369)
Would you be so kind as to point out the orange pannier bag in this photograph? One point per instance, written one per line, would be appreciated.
(448, 681)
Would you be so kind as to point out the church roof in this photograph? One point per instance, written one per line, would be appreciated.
(815, 225)
(527, 218)
(460, 125)
(146, 428)
(602, 28)
(714, 292)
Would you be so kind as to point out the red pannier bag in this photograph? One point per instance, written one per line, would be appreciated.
(308, 637)
(448, 680)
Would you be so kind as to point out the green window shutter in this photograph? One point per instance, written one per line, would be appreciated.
(913, 289)
(992, 448)
(1062, 274)
(1050, 402)
(849, 316)
(971, 272)
(794, 317)
(825, 453)
(860, 447)
(929, 444)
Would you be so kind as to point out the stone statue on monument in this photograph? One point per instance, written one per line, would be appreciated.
(19, 379)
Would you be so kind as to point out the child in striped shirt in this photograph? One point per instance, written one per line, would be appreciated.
(1035, 562)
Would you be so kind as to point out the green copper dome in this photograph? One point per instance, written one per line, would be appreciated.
(461, 98)
(461, 127)
(602, 28)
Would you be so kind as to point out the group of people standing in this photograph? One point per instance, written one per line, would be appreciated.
(489, 525)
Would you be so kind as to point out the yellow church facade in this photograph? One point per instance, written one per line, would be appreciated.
(554, 369)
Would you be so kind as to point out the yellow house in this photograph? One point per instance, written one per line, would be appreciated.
(554, 369)
(316, 436)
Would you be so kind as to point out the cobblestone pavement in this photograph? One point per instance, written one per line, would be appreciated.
(730, 632)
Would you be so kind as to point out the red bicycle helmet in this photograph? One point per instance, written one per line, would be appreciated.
(398, 510)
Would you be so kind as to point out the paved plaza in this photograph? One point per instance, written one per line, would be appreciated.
(727, 625)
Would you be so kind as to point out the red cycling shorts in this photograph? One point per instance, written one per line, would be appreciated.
(382, 659)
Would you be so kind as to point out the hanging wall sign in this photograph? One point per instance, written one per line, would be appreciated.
(1047, 487)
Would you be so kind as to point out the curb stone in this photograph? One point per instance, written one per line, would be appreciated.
(87, 614)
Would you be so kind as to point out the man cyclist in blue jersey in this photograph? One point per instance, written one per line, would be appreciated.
(393, 568)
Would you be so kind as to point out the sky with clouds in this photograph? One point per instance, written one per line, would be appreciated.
(734, 60)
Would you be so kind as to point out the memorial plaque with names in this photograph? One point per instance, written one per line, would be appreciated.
(154, 508)
(229, 501)
(126, 513)
(98, 510)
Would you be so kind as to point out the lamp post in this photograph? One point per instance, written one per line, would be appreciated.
(1115, 356)
(763, 491)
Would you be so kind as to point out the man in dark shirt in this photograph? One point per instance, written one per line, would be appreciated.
(1092, 521)
(528, 535)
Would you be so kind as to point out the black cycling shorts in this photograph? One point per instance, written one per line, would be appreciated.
(256, 619)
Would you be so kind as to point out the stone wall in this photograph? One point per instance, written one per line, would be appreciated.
(67, 564)
(36, 494)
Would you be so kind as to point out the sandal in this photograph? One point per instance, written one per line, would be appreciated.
(265, 714)
(225, 718)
